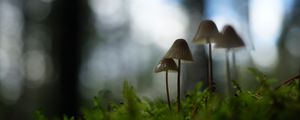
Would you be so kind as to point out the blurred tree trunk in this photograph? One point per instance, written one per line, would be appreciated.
(67, 21)
(286, 59)
(196, 72)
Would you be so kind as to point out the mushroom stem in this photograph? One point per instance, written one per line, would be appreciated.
(178, 85)
(234, 71)
(167, 89)
(299, 85)
(210, 69)
(228, 71)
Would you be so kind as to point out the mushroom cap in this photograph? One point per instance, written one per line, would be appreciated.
(166, 64)
(230, 39)
(207, 30)
(180, 50)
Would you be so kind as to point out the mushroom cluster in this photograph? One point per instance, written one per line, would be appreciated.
(230, 40)
(180, 51)
(165, 65)
(207, 33)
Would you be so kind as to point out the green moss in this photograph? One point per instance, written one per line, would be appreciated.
(265, 102)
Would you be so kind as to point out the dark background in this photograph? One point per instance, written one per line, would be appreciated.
(46, 47)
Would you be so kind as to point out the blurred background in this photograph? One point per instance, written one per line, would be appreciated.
(56, 55)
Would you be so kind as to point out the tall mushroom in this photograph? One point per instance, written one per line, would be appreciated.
(230, 39)
(181, 51)
(166, 64)
(207, 33)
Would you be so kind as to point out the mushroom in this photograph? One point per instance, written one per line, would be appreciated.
(207, 33)
(166, 64)
(181, 51)
(230, 39)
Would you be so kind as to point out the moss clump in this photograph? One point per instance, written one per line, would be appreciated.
(264, 102)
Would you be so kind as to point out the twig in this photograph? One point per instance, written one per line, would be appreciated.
(289, 81)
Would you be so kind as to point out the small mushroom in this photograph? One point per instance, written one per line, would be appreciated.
(207, 33)
(230, 39)
(166, 64)
(181, 51)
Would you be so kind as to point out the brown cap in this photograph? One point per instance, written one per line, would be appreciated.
(207, 31)
(230, 39)
(180, 50)
(166, 64)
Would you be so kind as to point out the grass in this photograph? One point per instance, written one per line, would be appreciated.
(265, 102)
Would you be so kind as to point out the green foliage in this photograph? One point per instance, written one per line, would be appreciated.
(39, 116)
(265, 102)
(67, 118)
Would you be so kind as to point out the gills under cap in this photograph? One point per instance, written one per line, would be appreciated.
(207, 30)
(230, 39)
(180, 50)
(166, 64)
